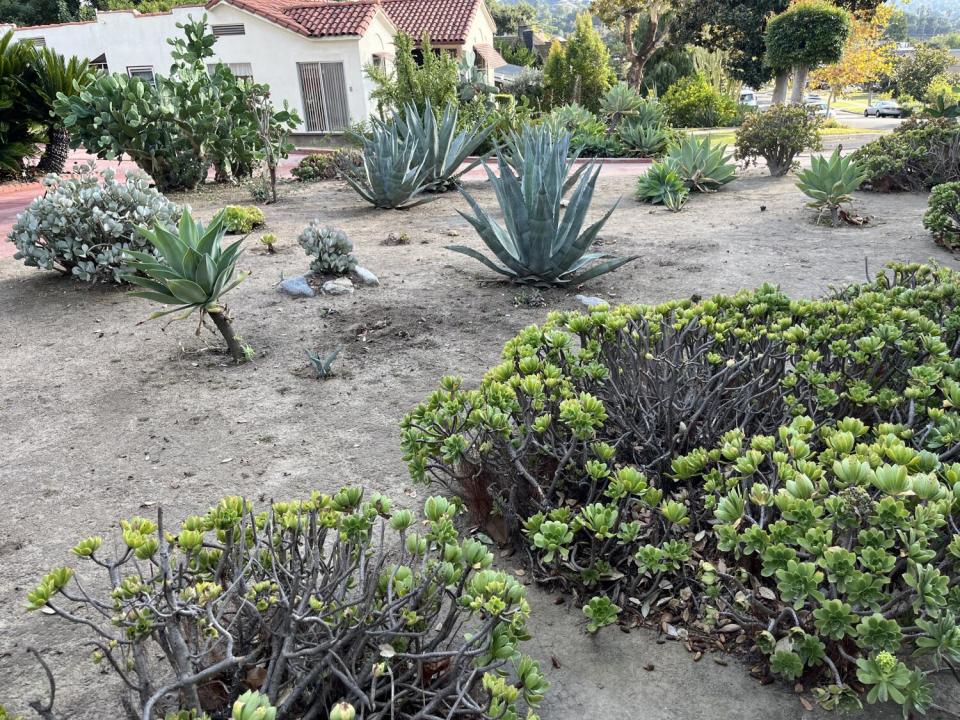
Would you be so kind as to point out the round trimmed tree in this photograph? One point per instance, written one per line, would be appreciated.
(807, 34)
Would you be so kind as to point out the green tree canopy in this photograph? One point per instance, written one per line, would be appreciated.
(738, 27)
(588, 60)
(511, 16)
(912, 74)
(808, 33)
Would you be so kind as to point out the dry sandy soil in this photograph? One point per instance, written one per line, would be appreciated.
(103, 418)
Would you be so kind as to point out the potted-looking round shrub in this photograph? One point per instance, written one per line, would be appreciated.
(82, 225)
(778, 136)
(942, 218)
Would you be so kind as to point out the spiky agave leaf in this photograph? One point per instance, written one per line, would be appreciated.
(544, 143)
(539, 243)
(194, 270)
(643, 140)
(395, 169)
(619, 102)
(446, 147)
(829, 181)
(704, 167)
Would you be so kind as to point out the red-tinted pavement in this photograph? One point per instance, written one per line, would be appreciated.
(12, 202)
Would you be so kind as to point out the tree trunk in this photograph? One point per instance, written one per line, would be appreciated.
(222, 321)
(640, 56)
(799, 84)
(780, 87)
(54, 158)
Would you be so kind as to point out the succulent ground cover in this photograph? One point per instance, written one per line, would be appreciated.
(785, 467)
(308, 602)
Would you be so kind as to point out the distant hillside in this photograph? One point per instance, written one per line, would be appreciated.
(926, 18)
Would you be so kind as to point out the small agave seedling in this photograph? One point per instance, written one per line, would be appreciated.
(193, 273)
(829, 182)
(322, 364)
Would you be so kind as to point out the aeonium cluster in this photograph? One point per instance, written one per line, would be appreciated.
(377, 610)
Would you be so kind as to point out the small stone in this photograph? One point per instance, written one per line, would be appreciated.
(365, 277)
(340, 286)
(591, 301)
(297, 287)
(453, 233)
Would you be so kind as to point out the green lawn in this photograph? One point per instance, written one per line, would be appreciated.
(856, 102)
(727, 135)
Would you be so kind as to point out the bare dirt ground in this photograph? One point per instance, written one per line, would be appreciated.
(103, 418)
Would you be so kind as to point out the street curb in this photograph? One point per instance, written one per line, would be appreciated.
(12, 188)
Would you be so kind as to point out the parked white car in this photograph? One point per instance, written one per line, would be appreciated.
(884, 108)
(748, 98)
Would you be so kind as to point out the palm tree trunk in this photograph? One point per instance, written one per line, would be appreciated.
(54, 158)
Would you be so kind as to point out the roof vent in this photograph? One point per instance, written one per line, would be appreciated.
(222, 30)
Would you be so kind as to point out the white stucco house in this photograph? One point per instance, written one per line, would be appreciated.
(312, 54)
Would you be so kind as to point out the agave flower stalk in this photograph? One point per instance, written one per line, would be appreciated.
(539, 244)
(194, 272)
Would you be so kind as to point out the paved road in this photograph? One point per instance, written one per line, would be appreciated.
(857, 120)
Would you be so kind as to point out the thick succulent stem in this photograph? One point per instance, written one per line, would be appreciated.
(222, 321)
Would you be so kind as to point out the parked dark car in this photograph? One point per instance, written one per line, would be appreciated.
(884, 108)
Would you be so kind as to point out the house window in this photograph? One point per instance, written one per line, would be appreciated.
(35, 41)
(323, 88)
(223, 30)
(144, 72)
(244, 71)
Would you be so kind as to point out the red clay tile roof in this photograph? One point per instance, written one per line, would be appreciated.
(351, 17)
(314, 19)
(491, 57)
(446, 21)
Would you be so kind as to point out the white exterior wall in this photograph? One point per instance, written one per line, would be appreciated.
(482, 31)
(378, 39)
(272, 51)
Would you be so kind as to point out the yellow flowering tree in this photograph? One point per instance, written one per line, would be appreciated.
(867, 55)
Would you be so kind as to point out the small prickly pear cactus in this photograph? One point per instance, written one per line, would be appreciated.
(253, 705)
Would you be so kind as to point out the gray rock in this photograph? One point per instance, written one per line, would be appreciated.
(591, 301)
(340, 286)
(453, 233)
(297, 287)
(365, 277)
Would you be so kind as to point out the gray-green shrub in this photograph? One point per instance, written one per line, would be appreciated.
(330, 249)
(82, 224)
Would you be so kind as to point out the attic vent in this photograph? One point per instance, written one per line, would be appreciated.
(221, 30)
(36, 41)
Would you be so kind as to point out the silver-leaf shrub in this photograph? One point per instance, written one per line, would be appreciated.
(83, 224)
(330, 249)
